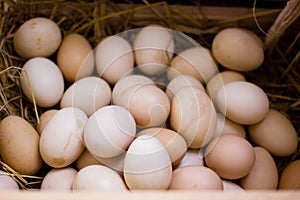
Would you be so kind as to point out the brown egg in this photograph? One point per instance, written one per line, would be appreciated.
(195, 178)
(226, 126)
(192, 157)
(290, 176)
(264, 174)
(86, 159)
(172, 141)
(19, 145)
(275, 133)
(231, 156)
(75, 57)
(44, 118)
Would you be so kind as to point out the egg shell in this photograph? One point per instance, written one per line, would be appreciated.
(238, 49)
(226, 126)
(88, 94)
(193, 116)
(149, 106)
(42, 79)
(147, 164)
(275, 133)
(264, 174)
(126, 86)
(231, 186)
(172, 141)
(230, 156)
(37, 37)
(290, 177)
(196, 61)
(98, 178)
(109, 131)
(195, 178)
(181, 81)
(44, 118)
(242, 102)
(116, 163)
(86, 159)
(219, 80)
(7, 183)
(75, 57)
(192, 157)
(114, 58)
(59, 179)
(153, 48)
(61, 140)
(19, 145)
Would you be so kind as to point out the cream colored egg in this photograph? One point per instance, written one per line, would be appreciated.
(219, 80)
(147, 165)
(88, 94)
(264, 174)
(153, 49)
(37, 37)
(193, 116)
(275, 133)
(59, 179)
(44, 118)
(226, 126)
(172, 141)
(75, 57)
(109, 131)
(238, 49)
(196, 61)
(192, 157)
(230, 186)
(98, 178)
(290, 177)
(243, 102)
(86, 159)
(61, 140)
(230, 156)
(195, 178)
(19, 145)
(182, 81)
(42, 80)
(114, 58)
(7, 183)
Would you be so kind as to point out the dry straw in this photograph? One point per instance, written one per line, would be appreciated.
(279, 76)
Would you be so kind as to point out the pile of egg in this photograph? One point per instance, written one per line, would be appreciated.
(141, 114)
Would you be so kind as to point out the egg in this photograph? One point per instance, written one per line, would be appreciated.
(172, 141)
(195, 178)
(114, 58)
(195, 61)
(290, 177)
(192, 157)
(264, 174)
(98, 178)
(75, 57)
(226, 126)
(193, 116)
(88, 94)
(19, 145)
(44, 118)
(242, 102)
(7, 183)
(86, 159)
(61, 140)
(231, 186)
(109, 131)
(42, 80)
(59, 179)
(37, 37)
(275, 133)
(147, 165)
(230, 156)
(181, 81)
(219, 80)
(153, 48)
(238, 49)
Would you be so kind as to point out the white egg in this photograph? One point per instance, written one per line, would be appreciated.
(7, 182)
(89, 94)
(43, 81)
